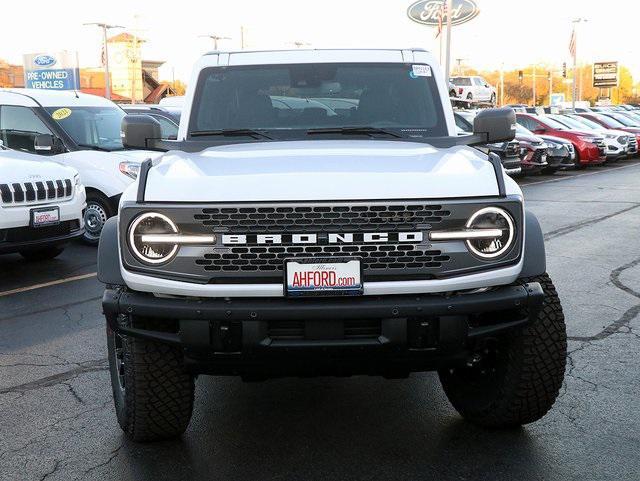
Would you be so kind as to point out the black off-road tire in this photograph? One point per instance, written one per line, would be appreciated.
(42, 253)
(523, 380)
(152, 392)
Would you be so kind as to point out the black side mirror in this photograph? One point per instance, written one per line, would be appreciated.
(43, 143)
(137, 130)
(497, 125)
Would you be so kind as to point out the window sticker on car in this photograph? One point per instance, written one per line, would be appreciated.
(421, 71)
(61, 114)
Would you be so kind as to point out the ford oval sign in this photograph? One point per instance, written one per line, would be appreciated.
(44, 60)
(426, 12)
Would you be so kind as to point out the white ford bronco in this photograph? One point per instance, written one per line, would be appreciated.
(318, 215)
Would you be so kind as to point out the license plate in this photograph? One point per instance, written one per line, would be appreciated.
(42, 217)
(323, 277)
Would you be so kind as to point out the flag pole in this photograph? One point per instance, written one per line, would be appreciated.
(447, 71)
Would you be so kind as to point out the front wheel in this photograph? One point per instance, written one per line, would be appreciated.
(96, 214)
(152, 392)
(518, 377)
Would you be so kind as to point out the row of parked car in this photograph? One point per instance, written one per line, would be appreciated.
(551, 139)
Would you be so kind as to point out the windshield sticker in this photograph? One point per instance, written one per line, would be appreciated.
(61, 114)
(420, 71)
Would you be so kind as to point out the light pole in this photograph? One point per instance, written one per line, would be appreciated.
(575, 57)
(215, 39)
(534, 84)
(447, 71)
(105, 47)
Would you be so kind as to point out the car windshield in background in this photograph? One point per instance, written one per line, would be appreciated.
(624, 120)
(610, 121)
(554, 124)
(571, 123)
(520, 130)
(461, 81)
(293, 101)
(91, 127)
(586, 122)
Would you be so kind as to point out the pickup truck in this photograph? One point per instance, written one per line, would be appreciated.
(318, 215)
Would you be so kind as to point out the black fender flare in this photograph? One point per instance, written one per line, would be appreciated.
(108, 254)
(535, 259)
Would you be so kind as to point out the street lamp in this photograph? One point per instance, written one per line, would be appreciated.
(575, 56)
(215, 39)
(105, 27)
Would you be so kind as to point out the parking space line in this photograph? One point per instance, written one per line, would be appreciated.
(610, 169)
(48, 284)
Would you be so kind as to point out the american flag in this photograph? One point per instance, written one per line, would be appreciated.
(441, 14)
(572, 43)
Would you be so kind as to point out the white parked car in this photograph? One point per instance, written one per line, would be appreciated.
(78, 130)
(41, 205)
(474, 89)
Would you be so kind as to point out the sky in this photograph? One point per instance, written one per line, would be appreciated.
(509, 33)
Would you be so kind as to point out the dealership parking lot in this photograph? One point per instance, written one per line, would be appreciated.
(57, 411)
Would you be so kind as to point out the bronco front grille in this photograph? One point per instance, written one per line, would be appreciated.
(305, 218)
(374, 256)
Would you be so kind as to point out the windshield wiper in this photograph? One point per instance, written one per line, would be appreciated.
(93, 147)
(255, 134)
(370, 131)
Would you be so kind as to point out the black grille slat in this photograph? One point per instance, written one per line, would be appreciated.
(67, 188)
(18, 193)
(51, 190)
(40, 191)
(5, 193)
(30, 192)
(59, 188)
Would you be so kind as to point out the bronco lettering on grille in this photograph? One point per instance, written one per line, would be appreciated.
(328, 238)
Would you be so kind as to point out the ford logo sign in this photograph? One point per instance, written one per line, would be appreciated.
(426, 12)
(44, 60)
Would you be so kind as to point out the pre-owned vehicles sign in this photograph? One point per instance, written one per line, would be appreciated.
(605, 74)
(51, 71)
(427, 12)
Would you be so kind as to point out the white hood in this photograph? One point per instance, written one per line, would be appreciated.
(22, 167)
(321, 170)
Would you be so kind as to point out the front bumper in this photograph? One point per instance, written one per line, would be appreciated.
(368, 334)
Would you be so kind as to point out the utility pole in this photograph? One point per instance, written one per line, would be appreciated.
(241, 37)
(550, 86)
(105, 48)
(447, 71)
(215, 39)
(575, 60)
(534, 84)
(502, 83)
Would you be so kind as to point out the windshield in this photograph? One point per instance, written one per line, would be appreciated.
(554, 124)
(520, 130)
(571, 123)
(586, 122)
(288, 101)
(461, 81)
(623, 119)
(90, 127)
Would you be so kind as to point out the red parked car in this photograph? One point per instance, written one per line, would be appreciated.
(590, 149)
(611, 122)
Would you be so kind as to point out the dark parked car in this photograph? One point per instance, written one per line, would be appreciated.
(533, 152)
(509, 152)
(169, 117)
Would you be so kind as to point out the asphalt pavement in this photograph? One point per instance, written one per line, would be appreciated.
(57, 420)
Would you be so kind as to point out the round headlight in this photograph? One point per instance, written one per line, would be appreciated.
(149, 224)
(491, 218)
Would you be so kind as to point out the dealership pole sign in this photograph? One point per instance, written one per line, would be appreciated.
(605, 74)
(52, 71)
(427, 12)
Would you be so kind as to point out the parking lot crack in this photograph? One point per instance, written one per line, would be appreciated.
(568, 229)
(61, 378)
(114, 454)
